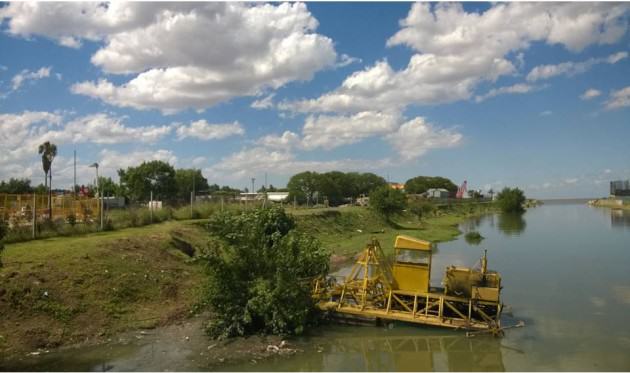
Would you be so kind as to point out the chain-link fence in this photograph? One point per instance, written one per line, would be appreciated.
(23, 209)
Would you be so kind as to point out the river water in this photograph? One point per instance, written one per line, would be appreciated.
(566, 274)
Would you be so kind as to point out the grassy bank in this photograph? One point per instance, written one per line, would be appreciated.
(70, 290)
(86, 289)
(346, 230)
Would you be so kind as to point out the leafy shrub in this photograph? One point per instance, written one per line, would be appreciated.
(511, 200)
(473, 238)
(388, 201)
(71, 219)
(260, 273)
(421, 208)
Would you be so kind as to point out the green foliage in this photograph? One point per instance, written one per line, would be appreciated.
(108, 186)
(421, 184)
(387, 201)
(303, 186)
(260, 273)
(421, 208)
(511, 200)
(184, 179)
(156, 176)
(473, 238)
(335, 186)
(48, 152)
(16, 186)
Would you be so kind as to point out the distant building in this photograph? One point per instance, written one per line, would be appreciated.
(620, 188)
(277, 196)
(271, 196)
(437, 193)
(397, 186)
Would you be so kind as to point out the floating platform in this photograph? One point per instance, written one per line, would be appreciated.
(380, 290)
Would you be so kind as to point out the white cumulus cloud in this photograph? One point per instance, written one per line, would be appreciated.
(203, 130)
(619, 99)
(26, 75)
(456, 50)
(590, 94)
(415, 137)
(518, 88)
(331, 131)
(571, 68)
(183, 55)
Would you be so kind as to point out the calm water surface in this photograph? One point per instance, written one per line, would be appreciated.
(566, 273)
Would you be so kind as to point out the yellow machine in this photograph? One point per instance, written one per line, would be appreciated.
(378, 289)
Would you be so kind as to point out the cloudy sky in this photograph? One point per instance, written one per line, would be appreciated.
(535, 95)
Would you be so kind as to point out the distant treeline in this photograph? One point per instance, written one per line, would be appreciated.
(171, 185)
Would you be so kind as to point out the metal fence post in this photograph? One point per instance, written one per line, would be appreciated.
(34, 212)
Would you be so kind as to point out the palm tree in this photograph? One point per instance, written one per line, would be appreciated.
(48, 152)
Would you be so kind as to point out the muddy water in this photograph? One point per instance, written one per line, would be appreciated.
(566, 273)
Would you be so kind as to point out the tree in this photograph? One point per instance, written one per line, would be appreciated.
(260, 274)
(331, 186)
(185, 179)
(16, 186)
(387, 201)
(511, 200)
(154, 176)
(364, 183)
(107, 185)
(303, 186)
(48, 152)
(421, 184)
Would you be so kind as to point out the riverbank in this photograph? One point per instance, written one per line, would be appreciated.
(85, 290)
(88, 289)
(614, 203)
(346, 230)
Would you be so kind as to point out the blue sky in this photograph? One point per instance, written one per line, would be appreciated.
(529, 95)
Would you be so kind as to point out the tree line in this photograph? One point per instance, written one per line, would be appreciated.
(335, 187)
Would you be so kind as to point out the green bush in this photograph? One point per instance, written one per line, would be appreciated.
(511, 200)
(260, 274)
(421, 208)
(473, 238)
(388, 201)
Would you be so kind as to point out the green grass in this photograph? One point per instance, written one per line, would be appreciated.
(62, 290)
(122, 218)
(346, 230)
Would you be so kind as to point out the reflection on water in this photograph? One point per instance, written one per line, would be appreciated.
(413, 353)
(403, 348)
(511, 224)
(620, 218)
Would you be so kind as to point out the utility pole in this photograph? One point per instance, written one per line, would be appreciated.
(265, 181)
(253, 180)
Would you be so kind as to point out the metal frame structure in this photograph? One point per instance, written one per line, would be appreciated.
(372, 291)
(17, 209)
